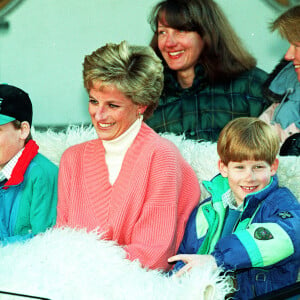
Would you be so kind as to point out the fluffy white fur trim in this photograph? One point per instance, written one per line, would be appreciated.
(202, 157)
(73, 265)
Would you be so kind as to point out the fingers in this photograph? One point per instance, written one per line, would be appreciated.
(173, 258)
(191, 261)
(183, 257)
(183, 270)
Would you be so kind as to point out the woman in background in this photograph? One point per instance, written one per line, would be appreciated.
(210, 78)
(283, 85)
(130, 184)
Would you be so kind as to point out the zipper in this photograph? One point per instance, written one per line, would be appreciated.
(250, 219)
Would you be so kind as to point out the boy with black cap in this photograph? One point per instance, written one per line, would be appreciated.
(28, 180)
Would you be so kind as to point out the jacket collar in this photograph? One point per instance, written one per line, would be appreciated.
(172, 87)
(266, 86)
(17, 175)
(219, 185)
(252, 201)
(286, 82)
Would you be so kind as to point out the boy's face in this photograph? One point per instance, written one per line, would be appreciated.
(11, 142)
(247, 176)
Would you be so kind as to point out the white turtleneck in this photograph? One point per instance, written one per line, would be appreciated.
(116, 149)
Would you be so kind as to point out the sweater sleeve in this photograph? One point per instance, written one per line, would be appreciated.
(172, 193)
(64, 176)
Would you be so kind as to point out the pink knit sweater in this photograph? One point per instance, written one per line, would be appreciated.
(147, 207)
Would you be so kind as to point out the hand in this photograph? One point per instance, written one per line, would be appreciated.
(192, 260)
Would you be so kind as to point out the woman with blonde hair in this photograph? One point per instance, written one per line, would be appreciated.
(283, 85)
(129, 183)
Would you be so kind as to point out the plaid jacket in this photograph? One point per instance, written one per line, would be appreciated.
(201, 111)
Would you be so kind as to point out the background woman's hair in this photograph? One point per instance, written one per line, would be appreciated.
(288, 24)
(224, 56)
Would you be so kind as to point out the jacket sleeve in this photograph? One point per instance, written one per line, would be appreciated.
(44, 202)
(37, 208)
(172, 192)
(190, 242)
(44, 199)
(254, 246)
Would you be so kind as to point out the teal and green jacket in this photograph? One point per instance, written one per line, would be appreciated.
(29, 198)
(263, 250)
(201, 111)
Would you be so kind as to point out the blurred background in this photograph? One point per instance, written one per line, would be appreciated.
(43, 44)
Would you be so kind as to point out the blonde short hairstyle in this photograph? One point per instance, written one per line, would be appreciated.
(248, 139)
(135, 71)
(288, 24)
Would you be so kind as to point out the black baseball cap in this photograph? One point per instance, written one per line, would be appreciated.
(15, 104)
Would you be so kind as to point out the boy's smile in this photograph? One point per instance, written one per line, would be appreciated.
(247, 176)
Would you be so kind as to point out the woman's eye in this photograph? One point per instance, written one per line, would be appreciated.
(160, 32)
(93, 101)
(113, 105)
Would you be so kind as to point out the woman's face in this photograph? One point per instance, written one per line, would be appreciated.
(293, 54)
(112, 113)
(180, 49)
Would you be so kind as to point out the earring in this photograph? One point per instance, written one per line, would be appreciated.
(139, 115)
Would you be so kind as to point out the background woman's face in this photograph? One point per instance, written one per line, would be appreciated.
(180, 49)
(112, 113)
(293, 54)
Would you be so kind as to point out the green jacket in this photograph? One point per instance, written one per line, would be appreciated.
(29, 198)
(201, 111)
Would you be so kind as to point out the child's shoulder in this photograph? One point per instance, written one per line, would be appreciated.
(41, 166)
(285, 193)
(282, 198)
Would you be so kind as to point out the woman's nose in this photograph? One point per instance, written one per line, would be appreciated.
(171, 40)
(100, 113)
(290, 53)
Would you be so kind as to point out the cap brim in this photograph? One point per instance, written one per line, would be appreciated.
(5, 119)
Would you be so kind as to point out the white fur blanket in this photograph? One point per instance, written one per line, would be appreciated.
(73, 265)
(69, 264)
(202, 157)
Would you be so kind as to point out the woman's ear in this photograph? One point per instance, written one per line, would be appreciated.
(25, 130)
(141, 109)
(222, 168)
